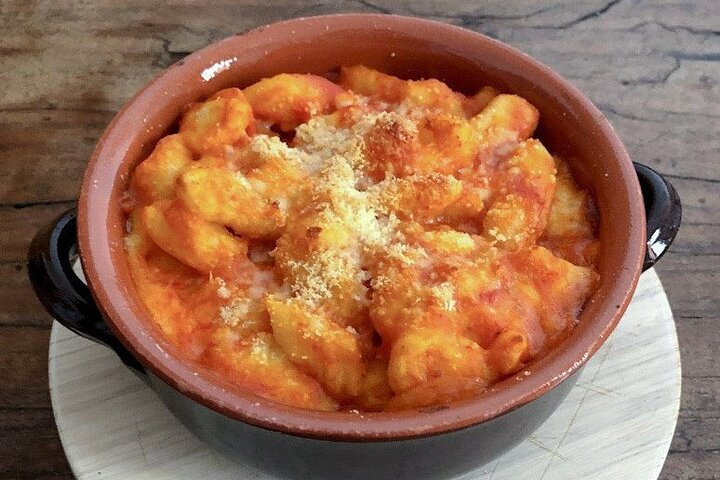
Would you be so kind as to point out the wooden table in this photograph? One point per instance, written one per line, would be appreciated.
(653, 67)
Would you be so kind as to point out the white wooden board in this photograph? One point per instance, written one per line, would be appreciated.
(616, 423)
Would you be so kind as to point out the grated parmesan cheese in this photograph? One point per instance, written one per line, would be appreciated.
(344, 198)
(267, 147)
(372, 228)
(235, 312)
(444, 295)
(260, 350)
(222, 291)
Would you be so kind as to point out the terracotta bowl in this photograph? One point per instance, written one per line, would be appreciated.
(427, 443)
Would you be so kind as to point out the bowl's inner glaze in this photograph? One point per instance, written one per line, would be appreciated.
(409, 48)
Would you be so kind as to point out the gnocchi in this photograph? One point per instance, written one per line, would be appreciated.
(373, 244)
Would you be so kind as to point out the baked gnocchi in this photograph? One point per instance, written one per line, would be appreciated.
(369, 244)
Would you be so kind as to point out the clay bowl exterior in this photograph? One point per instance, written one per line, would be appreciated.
(430, 443)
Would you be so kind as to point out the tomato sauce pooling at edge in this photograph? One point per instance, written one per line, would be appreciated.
(371, 244)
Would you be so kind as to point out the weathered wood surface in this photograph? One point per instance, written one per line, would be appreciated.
(653, 66)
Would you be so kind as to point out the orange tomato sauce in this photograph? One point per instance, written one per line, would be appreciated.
(372, 244)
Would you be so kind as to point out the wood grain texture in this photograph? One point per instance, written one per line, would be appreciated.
(29, 443)
(652, 66)
(45, 153)
(20, 224)
(20, 307)
(617, 422)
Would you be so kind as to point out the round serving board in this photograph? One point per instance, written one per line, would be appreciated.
(616, 423)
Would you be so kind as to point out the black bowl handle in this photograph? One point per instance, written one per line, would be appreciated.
(663, 213)
(61, 291)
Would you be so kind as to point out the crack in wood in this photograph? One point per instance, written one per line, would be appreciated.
(474, 19)
(24, 409)
(690, 178)
(700, 224)
(690, 114)
(591, 15)
(678, 57)
(33, 474)
(696, 57)
(22, 428)
(167, 55)
(655, 81)
(372, 6)
(18, 264)
(21, 325)
(21, 205)
(690, 251)
(695, 450)
(53, 108)
(607, 108)
(674, 28)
